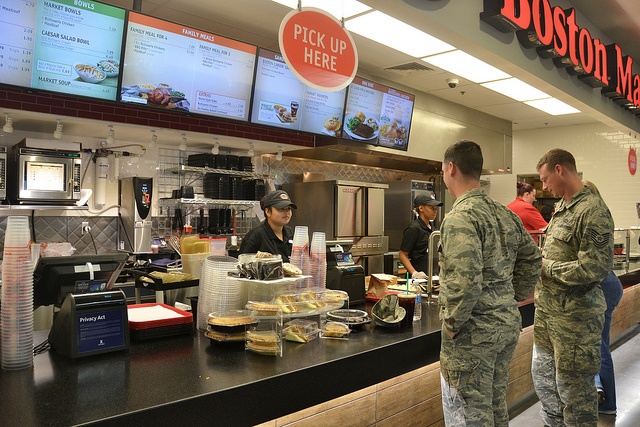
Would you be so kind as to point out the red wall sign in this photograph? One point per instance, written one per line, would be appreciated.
(633, 161)
(317, 49)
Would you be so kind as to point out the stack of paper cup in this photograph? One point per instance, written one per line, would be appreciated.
(16, 320)
(318, 260)
(300, 252)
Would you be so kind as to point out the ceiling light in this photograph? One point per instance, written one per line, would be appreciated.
(516, 89)
(279, 155)
(342, 9)
(57, 134)
(112, 135)
(183, 143)
(396, 34)
(216, 147)
(553, 106)
(466, 66)
(8, 124)
(250, 153)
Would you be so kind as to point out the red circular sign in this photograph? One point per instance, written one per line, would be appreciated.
(633, 161)
(317, 49)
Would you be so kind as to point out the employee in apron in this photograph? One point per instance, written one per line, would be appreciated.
(415, 240)
(273, 235)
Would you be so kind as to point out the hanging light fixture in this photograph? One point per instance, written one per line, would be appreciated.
(216, 147)
(112, 135)
(279, 155)
(57, 134)
(250, 153)
(183, 143)
(8, 124)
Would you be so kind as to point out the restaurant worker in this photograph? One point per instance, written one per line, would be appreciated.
(415, 240)
(273, 235)
(489, 262)
(523, 207)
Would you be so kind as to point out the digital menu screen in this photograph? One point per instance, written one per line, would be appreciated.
(377, 114)
(173, 67)
(280, 99)
(68, 46)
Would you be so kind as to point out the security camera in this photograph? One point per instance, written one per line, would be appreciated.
(453, 83)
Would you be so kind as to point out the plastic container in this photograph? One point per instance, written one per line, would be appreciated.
(192, 263)
(300, 330)
(336, 331)
(218, 246)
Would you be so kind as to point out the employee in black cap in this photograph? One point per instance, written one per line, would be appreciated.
(415, 240)
(273, 235)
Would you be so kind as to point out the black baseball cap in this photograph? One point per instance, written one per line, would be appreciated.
(426, 199)
(278, 199)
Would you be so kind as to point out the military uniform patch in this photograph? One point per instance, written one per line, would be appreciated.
(599, 240)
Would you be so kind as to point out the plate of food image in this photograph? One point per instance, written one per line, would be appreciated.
(358, 126)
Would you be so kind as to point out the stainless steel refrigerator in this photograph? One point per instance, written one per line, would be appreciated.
(345, 209)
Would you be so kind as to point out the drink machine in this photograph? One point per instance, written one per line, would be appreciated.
(135, 206)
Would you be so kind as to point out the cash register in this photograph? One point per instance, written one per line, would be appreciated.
(89, 316)
(343, 273)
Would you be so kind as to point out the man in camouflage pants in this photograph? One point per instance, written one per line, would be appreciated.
(488, 262)
(570, 305)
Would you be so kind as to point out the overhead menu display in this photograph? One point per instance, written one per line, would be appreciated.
(281, 99)
(377, 114)
(170, 66)
(69, 46)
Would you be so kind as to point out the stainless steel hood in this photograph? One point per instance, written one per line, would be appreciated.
(338, 150)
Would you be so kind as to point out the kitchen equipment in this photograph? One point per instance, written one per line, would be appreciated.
(41, 176)
(398, 206)
(343, 273)
(345, 210)
(135, 206)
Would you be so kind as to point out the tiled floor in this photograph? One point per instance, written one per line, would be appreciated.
(626, 360)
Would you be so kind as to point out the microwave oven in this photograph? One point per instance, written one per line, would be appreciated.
(39, 176)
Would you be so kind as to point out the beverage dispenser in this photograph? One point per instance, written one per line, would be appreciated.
(135, 206)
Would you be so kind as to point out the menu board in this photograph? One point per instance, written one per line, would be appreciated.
(178, 68)
(377, 114)
(69, 46)
(280, 99)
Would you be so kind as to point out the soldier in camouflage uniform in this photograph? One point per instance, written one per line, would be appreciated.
(570, 305)
(489, 261)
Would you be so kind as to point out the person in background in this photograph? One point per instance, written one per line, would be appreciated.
(605, 378)
(523, 207)
(273, 235)
(577, 256)
(547, 212)
(414, 246)
(488, 263)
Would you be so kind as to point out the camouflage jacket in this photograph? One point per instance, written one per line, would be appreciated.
(489, 261)
(578, 254)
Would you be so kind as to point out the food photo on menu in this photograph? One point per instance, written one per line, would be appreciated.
(378, 115)
(281, 99)
(62, 46)
(173, 67)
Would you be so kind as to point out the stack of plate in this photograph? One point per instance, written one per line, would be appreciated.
(253, 189)
(216, 186)
(218, 292)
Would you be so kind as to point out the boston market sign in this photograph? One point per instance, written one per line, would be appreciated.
(556, 35)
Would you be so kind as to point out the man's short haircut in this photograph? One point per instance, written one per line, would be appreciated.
(467, 156)
(558, 156)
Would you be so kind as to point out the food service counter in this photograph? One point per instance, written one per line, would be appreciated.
(187, 380)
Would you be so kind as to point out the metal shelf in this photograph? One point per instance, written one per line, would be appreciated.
(204, 170)
(248, 204)
(44, 207)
